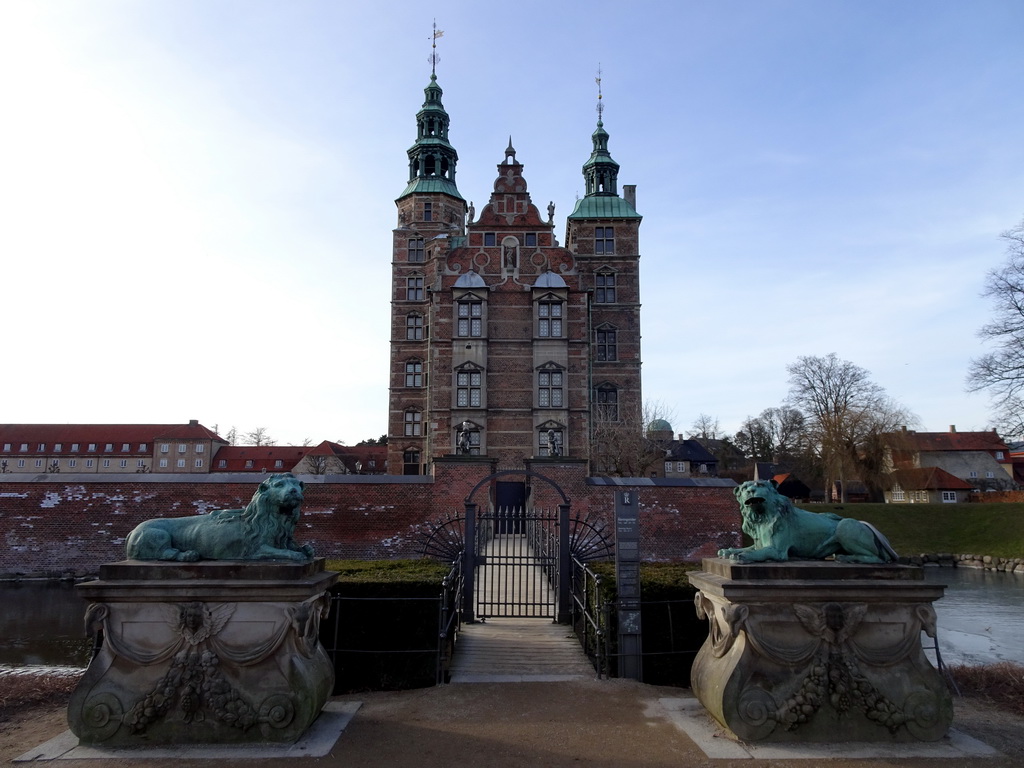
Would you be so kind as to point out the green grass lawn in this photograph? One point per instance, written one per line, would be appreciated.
(914, 529)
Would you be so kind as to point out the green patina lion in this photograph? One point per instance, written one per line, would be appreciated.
(264, 530)
(782, 531)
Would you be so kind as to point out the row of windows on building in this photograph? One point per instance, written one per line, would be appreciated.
(604, 241)
(680, 467)
(107, 447)
(57, 464)
(468, 395)
(604, 293)
(469, 325)
(898, 494)
(75, 447)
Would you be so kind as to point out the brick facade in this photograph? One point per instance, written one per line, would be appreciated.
(57, 526)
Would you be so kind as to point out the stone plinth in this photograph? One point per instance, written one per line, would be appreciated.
(819, 651)
(207, 652)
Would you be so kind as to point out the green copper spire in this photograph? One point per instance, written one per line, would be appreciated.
(601, 174)
(432, 159)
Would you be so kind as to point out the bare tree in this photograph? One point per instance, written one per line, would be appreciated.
(847, 415)
(232, 436)
(1001, 371)
(258, 437)
(622, 449)
(705, 427)
(316, 465)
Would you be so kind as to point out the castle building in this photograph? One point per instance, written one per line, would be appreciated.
(504, 343)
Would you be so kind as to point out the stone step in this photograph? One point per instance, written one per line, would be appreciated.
(508, 650)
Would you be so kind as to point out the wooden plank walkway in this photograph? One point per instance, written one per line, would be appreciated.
(508, 650)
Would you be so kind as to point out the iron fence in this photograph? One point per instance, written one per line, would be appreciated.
(397, 662)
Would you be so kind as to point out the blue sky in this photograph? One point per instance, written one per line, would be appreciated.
(197, 197)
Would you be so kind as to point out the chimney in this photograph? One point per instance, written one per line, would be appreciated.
(193, 422)
(952, 428)
(629, 194)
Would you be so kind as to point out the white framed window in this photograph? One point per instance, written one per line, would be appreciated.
(416, 249)
(248, 463)
(39, 463)
(948, 496)
(414, 288)
(990, 475)
(21, 463)
(199, 463)
(141, 464)
(164, 447)
(999, 455)
(24, 447)
(222, 464)
(109, 447)
(124, 463)
(549, 389)
(973, 473)
(182, 447)
(7, 446)
(72, 463)
(106, 463)
(549, 319)
(414, 327)
(143, 447)
(413, 423)
(607, 344)
(58, 447)
(89, 463)
(200, 447)
(41, 447)
(181, 463)
(898, 494)
(470, 318)
(604, 288)
(681, 467)
(278, 464)
(669, 467)
(74, 447)
(468, 389)
(163, 463)
(414, 373)
(91, 448)
(125, 447)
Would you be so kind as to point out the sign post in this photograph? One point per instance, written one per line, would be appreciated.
(627, 579)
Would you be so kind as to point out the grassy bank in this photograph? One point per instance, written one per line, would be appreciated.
(914, 529)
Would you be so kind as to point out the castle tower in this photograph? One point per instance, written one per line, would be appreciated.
(506, 344)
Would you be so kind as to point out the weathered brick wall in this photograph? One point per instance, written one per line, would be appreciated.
(69, 527)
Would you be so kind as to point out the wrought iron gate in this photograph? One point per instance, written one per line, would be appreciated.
(517, 566)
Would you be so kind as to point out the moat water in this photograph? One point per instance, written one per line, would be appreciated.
(981, 620)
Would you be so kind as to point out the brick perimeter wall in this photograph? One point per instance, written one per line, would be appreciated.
(63, 527)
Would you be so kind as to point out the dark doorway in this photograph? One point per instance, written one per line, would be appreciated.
(512, 497)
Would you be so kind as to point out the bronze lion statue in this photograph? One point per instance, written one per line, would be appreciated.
(782, 531)
(264, 530)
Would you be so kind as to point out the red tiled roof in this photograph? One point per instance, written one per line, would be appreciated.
(929, 479)
(263, 458)
(100, 435)
(956, 441)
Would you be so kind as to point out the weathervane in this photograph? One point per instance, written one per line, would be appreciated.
(434, 57)
(600, 104)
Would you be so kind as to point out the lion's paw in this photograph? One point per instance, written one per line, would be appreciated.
(188, 556)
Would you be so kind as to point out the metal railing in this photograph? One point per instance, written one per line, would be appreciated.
(448, 600)
(591, 617)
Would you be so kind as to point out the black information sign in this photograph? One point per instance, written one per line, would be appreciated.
(627, 578)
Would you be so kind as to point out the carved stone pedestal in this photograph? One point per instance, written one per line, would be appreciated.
(819, 651)
(208, 652)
